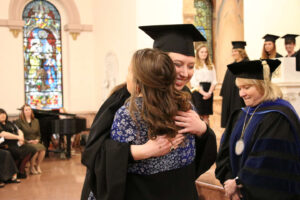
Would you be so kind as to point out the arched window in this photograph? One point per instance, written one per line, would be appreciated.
(203, 20)
(42, 55)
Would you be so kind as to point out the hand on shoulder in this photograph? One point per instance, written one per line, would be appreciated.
(190, 123)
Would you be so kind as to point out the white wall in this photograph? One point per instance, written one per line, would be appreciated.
(115, 33)
(78, 64)
(276, 17)
(115, 30)
(156, 12)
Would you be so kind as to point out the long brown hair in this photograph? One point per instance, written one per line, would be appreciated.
(266, 55)
(198, 63)
(22, 114)
(154, 77)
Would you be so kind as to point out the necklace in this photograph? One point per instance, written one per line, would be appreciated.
(240, 145)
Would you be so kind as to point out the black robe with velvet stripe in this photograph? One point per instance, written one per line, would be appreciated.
(271, 167)
(107, 161)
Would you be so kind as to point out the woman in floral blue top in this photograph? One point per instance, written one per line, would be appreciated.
(152, 96)
(150, 113)
(157, 162)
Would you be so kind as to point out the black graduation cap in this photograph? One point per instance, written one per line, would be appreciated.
(270, 37)
(238, 44)
(176, 38)
(252, 69)
(289, 38)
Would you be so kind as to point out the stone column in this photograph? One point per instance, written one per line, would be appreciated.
(228, 25)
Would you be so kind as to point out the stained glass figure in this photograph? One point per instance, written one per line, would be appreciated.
(203, 20)
(42, 55)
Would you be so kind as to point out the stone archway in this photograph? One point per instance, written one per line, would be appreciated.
(15, 22)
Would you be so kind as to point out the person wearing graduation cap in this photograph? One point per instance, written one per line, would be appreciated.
(269, 48)
(107, 160)
(229, 92)
(259, 151)
(290, 43)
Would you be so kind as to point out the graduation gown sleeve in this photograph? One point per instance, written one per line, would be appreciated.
(272, 168)
(206, 151)
(223, 169)
(297, 55)
(100, 153)
(206, 148)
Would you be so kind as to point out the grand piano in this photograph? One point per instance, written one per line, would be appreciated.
(50, 123)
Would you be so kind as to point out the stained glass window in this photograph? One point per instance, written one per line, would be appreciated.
(203, 20)
(42, 55)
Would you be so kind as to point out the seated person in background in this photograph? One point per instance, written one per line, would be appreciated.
(14, 140)
(8, 168)
(31, 130)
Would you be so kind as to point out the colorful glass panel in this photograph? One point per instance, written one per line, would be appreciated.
(203, 20)
(42, 55)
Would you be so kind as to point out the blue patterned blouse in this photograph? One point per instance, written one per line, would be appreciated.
(125, 129)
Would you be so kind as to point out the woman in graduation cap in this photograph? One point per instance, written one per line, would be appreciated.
(259, 151)
(107, 160)
(229, 92)
(269, 48)
(290, 43)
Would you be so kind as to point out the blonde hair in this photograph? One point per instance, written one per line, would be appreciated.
(270, 91)
(199, 63)
(265, 55)
(242, 53)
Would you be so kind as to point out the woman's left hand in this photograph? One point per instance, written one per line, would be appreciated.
(190, 123)
(230, 187)
(206, 96)
(232, 190)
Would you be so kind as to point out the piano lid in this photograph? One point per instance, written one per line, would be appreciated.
(51, 112)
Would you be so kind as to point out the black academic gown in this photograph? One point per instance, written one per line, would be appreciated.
(231, 99)
(278, 55)
(107, 161)
(269, 165)
(297, 55)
